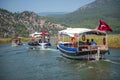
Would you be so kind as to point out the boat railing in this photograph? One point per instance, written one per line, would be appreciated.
(91, 47)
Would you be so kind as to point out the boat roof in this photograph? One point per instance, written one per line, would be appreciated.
(72, 31)
(37, 34)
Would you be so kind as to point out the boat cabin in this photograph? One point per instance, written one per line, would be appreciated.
(80, 41)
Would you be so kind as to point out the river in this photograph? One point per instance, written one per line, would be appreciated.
(21, 63)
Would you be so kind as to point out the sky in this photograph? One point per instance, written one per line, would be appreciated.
(43, 5)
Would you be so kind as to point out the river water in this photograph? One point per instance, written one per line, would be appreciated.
(21, 63)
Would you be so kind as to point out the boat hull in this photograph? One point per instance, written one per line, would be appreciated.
(38, 46)
(16, 44)
(72, 53)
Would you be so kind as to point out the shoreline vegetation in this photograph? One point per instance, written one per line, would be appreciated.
(9, 40)
(113, 40)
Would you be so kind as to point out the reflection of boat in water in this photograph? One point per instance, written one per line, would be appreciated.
(40, 41)
(76, 48)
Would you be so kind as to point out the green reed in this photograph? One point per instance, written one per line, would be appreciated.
(113, 41)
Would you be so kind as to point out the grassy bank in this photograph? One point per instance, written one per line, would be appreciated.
(113, 40)
(5, 40)
(8, 40)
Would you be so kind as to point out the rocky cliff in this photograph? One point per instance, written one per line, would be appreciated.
(24, 24)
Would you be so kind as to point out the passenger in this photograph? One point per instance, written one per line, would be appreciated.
(92, 42)
(19, 41)
(40, 41)
(81, 43)
(73, 41)
(48, 37)
(32, 39)
(87, 42)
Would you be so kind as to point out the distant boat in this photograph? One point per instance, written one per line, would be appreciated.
(17, 41)
(76, 49)
(40, 41)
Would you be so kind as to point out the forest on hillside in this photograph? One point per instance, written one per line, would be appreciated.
(89, 15)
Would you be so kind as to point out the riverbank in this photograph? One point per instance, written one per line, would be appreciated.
(8, 40)
(113, 40)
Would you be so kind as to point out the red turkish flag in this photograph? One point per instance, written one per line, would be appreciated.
(103, 26)
(43, 32)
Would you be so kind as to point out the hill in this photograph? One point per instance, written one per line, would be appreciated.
(89, 15)
(24, 24)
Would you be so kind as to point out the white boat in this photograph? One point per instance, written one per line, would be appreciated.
(38, 46)
(77, 49)
(17, 41)
(40, 41)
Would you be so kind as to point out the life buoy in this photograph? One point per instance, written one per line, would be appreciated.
(104, 41)
(83, 37)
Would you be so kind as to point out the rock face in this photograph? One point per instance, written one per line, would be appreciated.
(24, 24)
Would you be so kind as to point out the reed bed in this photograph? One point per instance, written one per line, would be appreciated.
(5, 40)
(8, 40)
(113, 40)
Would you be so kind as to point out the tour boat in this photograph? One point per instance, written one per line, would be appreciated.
(76, 48)
(17, 41)
(40, 41)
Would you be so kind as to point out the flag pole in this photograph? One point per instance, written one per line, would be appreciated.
(106, 40)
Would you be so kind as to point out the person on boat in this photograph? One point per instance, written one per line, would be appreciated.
(40, 41)
(32, 39)
(81, 43)
(93, 42)
(16, 41)
(87, 42)
(19, 41)
(44, 39)
(73, 41)
(48, 37)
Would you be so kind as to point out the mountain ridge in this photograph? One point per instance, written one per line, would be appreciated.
(88, 16)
